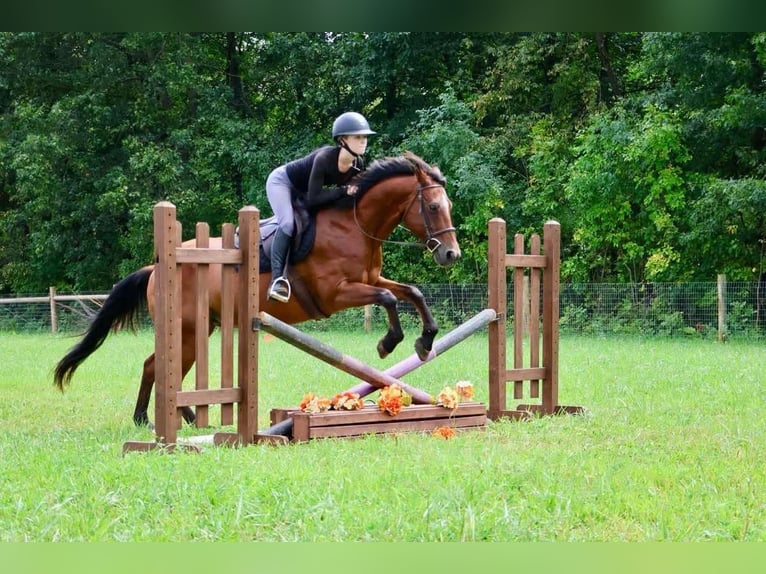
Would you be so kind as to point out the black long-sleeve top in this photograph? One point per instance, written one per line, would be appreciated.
(311, 174)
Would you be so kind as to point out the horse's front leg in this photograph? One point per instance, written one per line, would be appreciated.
(405, 292)
(360, 294)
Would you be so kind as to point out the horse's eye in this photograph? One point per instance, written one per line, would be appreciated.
(433, 207)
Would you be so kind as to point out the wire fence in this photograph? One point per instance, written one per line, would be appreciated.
(703, 309)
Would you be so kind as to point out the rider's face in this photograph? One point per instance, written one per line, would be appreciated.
(357, 143)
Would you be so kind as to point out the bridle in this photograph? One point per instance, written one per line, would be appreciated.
(431, 243)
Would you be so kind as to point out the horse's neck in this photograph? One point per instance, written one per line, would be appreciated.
(384, 205)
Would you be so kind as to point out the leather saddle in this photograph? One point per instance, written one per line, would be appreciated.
(303, 239)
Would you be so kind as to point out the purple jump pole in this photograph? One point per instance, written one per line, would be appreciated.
(441, 345)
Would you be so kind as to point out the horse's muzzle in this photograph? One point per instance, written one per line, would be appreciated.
(446, 256)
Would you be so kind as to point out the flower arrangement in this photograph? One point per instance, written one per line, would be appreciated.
(450, 397)
(393, 398)
(311, 403)
(347, 401)
(464, 389)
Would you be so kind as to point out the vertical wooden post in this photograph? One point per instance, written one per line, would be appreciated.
(247, 408)
(202, 324)
(498, 300)
(552, 252)
(721, 308)
(167, 333)
(54, 316)
(519, 304)
(227, 324)
(534, 317)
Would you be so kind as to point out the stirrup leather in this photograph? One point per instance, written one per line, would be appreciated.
(272, 292)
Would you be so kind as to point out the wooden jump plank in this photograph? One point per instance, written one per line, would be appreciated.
(342, 431)
(208, 397)
(211, 255)
(374, 414)
(520, 260)
(370, 419)
(527, 374)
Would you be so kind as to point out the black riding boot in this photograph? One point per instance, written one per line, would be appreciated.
(279, 287)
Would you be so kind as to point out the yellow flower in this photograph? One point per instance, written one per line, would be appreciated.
(347, 401)
(307, 398)
(314, 404)
(464, 389)
(448, 398)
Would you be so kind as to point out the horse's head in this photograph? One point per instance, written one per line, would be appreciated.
(429, 215)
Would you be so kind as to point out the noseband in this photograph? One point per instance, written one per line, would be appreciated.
(431, 243)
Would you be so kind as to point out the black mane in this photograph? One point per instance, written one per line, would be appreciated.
(385, 168)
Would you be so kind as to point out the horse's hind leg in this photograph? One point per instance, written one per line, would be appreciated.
(141, 412)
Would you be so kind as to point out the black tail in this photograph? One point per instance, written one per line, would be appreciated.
(121, 309)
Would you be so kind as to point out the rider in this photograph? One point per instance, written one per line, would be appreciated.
(306, 177)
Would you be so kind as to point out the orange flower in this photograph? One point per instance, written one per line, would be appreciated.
(464, 389)
(347, 401)
(448, 398)
(443, 432)
(314, 404)
(393, 398)
(391, 405)
(307, 398)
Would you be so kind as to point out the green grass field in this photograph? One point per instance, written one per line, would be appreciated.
(670, 449)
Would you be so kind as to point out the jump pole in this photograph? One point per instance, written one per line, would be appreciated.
(340, 361)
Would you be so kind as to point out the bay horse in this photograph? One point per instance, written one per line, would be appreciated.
(341, 271)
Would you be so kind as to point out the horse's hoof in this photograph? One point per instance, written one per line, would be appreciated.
(382, 353)
(421, 350)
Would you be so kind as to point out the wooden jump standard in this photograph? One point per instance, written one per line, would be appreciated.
(548, 263)
(237, 264)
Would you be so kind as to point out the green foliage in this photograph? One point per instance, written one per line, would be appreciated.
(648, 148)
(444, 135)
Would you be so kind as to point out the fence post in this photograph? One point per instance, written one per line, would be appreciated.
(721, 308)
(367, 318)
(54, 317)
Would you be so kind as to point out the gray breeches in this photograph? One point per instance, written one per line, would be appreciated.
(278, 192)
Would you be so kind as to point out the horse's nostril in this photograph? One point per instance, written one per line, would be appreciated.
(453, 255)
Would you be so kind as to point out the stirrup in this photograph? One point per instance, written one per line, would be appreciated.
(272, 293)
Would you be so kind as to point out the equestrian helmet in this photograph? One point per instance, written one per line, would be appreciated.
(349, 124)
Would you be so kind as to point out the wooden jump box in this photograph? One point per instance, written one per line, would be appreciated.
(371, 420)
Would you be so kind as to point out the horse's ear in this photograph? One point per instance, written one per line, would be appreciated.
(411, 157)
(418, 165)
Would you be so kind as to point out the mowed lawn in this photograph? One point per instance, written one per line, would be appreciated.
(670, 449)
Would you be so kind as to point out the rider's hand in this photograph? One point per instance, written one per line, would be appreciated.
(351, 190)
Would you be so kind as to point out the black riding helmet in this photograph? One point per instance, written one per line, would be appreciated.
(350, 124)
